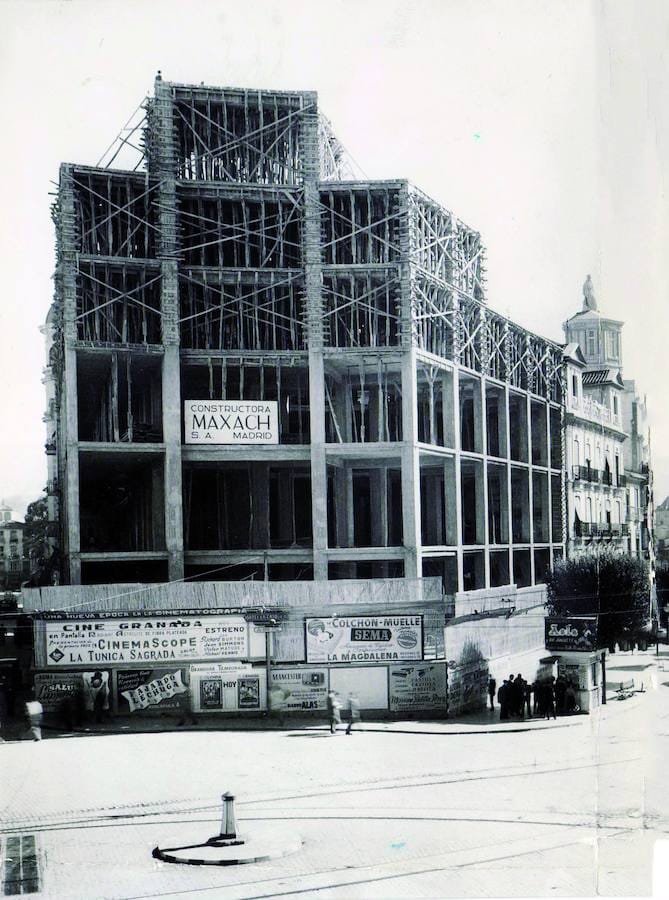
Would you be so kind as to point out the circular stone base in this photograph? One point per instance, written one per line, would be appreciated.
(254, 847)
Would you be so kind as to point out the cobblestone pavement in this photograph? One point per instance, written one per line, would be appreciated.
(401, 810)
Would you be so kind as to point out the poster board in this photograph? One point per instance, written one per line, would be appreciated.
(141, 692)
(298, 690)
(144, 639)
(414, 687)
(364, 638)
(227, 689)
(369, 683)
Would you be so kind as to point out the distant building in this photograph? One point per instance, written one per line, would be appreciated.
(640, 502)
(662, 529)
(13, 562)
(595, 434)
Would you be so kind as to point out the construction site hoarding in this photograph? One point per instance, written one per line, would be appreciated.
(364, 638)
(231, 422)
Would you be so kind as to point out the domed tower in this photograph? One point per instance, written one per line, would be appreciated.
(598, 337)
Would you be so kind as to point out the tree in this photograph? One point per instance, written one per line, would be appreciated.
(35, 543)
(615, 589)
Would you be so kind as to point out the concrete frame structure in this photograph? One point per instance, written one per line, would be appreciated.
(420, 432)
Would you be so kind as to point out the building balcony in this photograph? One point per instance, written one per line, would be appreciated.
(601, 414)
(601, 529)
(586, 473)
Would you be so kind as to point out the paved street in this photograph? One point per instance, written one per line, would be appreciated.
(403, 810)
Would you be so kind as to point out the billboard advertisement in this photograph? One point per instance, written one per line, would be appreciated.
(226, 689)
(293, 690)
(467, 686)
(569, 634)
(53, 689)
(364, 638)
(150, 691)
(417, 687)
(145, 639)
(231, 422)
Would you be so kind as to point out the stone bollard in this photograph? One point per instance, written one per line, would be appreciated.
(228, 824)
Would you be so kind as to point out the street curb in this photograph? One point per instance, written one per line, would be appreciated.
(573, 720)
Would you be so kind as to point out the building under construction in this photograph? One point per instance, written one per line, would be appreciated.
(402, 428)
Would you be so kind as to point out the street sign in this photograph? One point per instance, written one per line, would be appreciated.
(271, 617)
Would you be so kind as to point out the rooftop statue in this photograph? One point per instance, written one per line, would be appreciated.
(589, 301)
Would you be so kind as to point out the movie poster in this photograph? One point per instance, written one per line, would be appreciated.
(151, 691)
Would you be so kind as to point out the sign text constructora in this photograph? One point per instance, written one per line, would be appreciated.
(231, 422)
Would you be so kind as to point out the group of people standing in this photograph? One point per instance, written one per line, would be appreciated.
(551, 696)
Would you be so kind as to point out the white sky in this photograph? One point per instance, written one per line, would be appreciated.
(541, 123)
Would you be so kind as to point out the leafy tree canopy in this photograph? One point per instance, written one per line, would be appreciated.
(616, 589)
(35, 534)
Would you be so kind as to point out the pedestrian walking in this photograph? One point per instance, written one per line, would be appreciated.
(354, 705)
(560, 693)
(492, 688)
(503, 697)
(549, 699)
(34, 714)
(334, 711)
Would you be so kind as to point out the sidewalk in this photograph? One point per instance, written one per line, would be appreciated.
(482, 722)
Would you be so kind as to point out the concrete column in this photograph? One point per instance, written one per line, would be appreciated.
(410, 468)
(410, 459)
(507, 445)
(530, 508)
(311, 258)
(451, 491)
(449, 406)
(482, 415)
(550, 480)
(172, 438)
(72, 511)
(69, 439)
(164, 165)
(479, 416)
(458, 477)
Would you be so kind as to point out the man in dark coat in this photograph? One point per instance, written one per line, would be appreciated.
(503, 699)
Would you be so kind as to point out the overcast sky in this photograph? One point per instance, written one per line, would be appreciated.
(541, 123)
